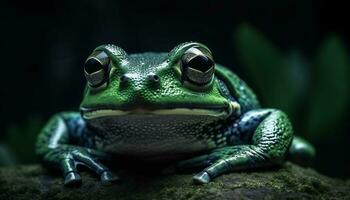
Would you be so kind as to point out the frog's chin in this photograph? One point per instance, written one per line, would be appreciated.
(222, 113)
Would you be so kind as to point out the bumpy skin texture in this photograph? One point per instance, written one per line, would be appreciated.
(148, 109)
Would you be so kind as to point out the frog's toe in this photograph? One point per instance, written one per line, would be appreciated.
(201, 178)
(109, 177)
(72, 179)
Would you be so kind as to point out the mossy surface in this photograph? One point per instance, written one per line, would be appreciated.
(288, 182)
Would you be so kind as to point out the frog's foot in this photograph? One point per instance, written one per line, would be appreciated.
(217, 162)
(271, 139)
(225, 160)
(72, 179)
(67, 158)
(201, 178)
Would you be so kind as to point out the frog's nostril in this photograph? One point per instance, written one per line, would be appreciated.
(153, 77)
(124, 79)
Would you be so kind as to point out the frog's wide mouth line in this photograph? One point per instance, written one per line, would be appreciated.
(176, 111)
(223, 112)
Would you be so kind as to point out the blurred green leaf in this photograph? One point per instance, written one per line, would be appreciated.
(6, 156)
(330, 88)
(298, 72)
(268, 70)
(21, 139)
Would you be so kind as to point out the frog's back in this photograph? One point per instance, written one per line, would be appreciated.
(238, 89)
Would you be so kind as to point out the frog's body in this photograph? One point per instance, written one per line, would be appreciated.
(166, 108)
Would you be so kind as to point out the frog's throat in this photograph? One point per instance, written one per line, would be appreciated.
(233, 108)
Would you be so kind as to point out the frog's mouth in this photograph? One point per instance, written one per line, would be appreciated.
(219, 112)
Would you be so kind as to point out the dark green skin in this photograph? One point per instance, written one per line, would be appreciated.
(241, 137)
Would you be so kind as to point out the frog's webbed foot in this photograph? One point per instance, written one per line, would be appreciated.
(67, 158)
(271, 138)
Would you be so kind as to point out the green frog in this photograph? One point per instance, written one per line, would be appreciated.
(178, 109)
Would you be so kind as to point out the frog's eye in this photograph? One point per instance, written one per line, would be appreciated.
(197, 66)
(96, 68)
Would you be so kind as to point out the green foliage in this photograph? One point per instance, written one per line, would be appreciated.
(6, 156)
(322, 95)
(330, 88)
(267, 69)
(21, 139)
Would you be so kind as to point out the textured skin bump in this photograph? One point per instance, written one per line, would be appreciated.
(274, 135)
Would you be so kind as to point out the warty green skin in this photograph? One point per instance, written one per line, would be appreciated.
(219, 127)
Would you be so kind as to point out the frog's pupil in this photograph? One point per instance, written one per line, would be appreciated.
(201, 63)
(92, 65)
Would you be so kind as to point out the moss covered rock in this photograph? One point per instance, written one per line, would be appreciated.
(288, 182)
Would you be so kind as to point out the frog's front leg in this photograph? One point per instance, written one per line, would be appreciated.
(270, 134)
(56, 146)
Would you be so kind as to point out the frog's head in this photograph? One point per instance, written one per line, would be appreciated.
(169, 98)
(181, 82)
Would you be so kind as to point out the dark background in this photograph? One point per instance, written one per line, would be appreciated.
(44, 44)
